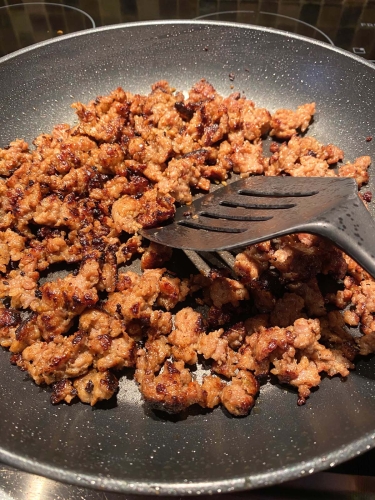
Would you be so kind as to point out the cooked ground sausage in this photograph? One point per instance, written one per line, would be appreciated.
(79, 198)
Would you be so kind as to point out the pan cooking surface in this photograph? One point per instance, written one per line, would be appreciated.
(121, 445)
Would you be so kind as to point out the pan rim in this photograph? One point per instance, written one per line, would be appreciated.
(115, 27)
(241, 483)
(246, 481)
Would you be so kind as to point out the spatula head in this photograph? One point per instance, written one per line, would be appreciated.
(253, 210)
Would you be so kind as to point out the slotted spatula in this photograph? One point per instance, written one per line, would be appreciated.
(260, 208)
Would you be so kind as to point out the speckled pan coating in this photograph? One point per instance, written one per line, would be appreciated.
(122, 446)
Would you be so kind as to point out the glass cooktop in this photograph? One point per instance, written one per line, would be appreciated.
(347, 24)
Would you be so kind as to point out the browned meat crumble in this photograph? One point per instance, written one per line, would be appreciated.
(78, 199)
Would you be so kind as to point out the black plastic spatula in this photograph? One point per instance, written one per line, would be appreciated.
(260, 208)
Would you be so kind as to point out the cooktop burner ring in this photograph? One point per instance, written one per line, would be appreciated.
(53, 4)
(211, 14)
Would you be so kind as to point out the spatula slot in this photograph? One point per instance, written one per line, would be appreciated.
(276, 194)
(250, 218)
(260, 206)
(197, 225)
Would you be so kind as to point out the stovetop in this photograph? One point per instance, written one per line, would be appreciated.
(348, 24)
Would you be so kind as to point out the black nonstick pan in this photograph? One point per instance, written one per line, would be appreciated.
(122, 446)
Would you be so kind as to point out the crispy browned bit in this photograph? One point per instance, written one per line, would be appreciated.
(367, 196)
(78, 199)
(63, 391)
(155, 255)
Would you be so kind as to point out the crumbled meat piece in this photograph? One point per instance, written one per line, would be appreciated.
(12, 246)
(103, 118)
(96, 322)
(141, 293)
(335, 334)
(251, 263)
(63, 391)
(20, 287)
(304, 156)
(9, 321)
(285, 122)
(172, 291)
(297, 261)
(130, 214)
(238, 396)
(127, 250)
(227, 290)
(235, 335)
(173, 390)
(212, 388)
(363, 300)
(184, 338)
(115, 353)
(95, 386)
(64, 357)
(213, 345)
(314, 358)
(358, 170)
(14, 157)
(155, 256)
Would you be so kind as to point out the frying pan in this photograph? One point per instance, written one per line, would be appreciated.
(122, 445)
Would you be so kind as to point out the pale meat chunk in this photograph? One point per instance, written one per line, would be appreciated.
(251, 263)
(286, 122)
(212, 388)
(227, 290)
(112, 353)
(184, 337)
(238, 396)
(358, 170)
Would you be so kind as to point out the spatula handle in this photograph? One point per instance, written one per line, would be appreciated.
(352, 228)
